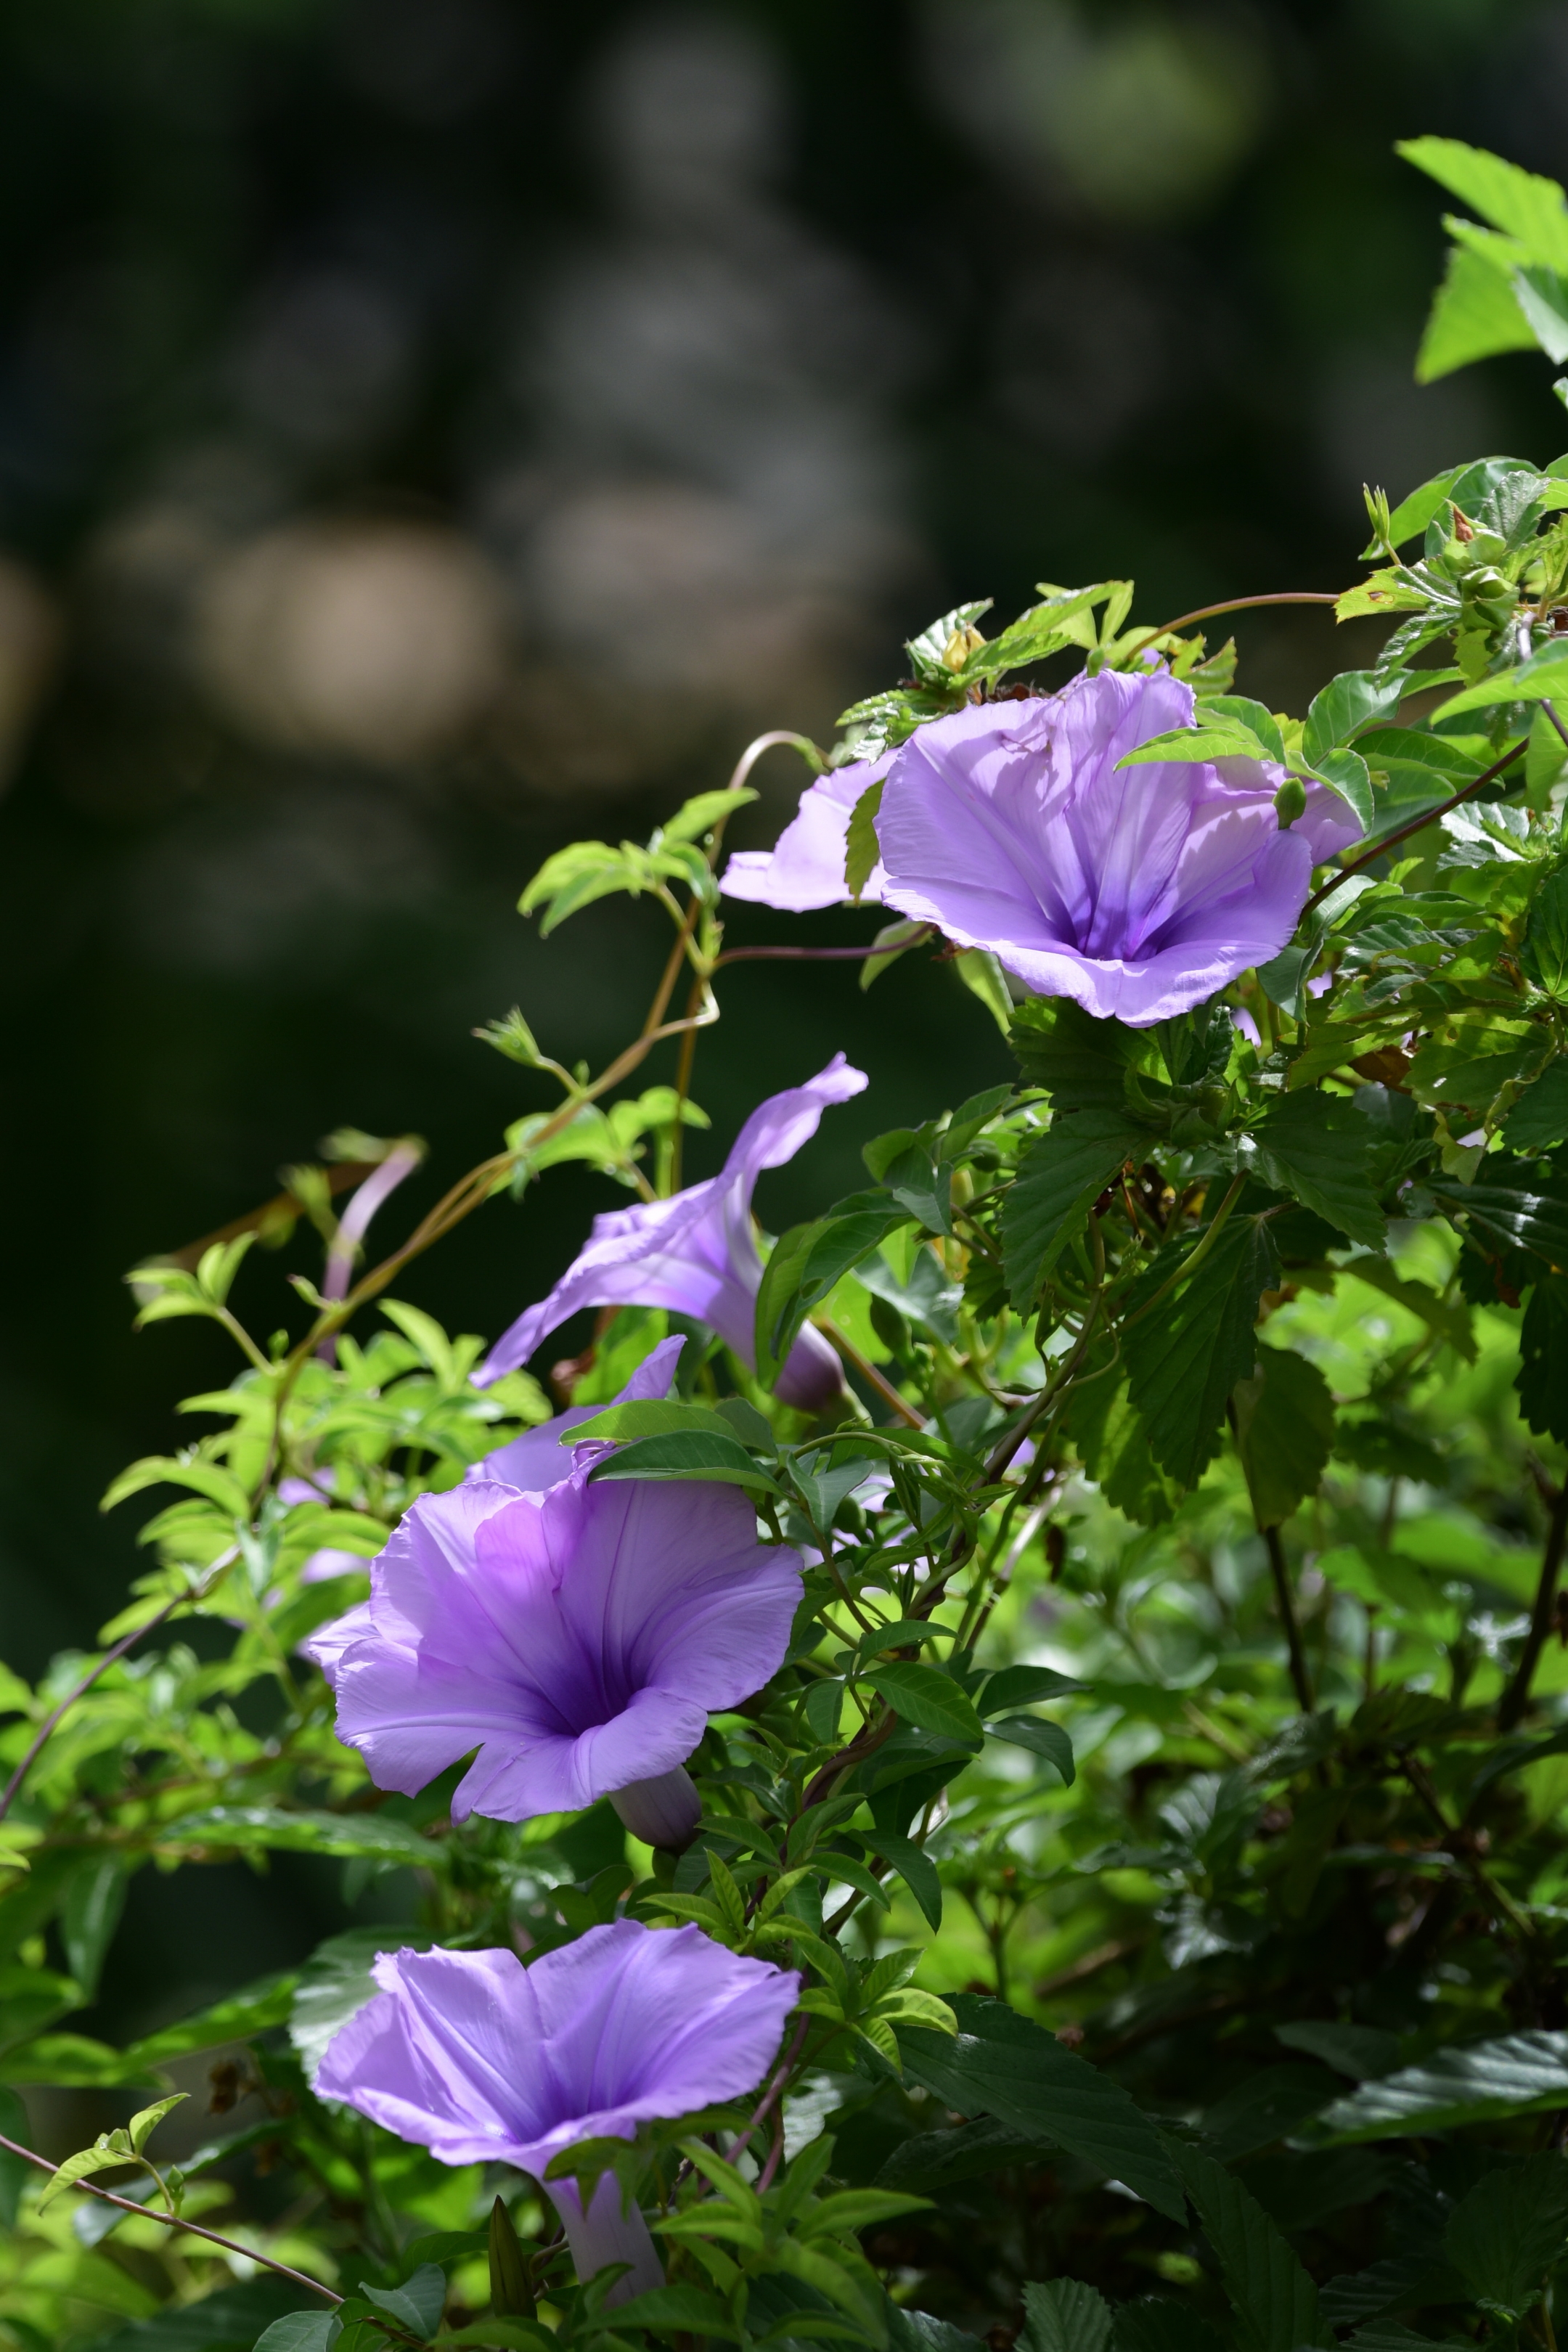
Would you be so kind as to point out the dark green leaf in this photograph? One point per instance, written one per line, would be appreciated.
(1318, 1149)
(1540, 1117)
(1517, 2074)
(914, 1866)
(1543, 958)
(1157, 2323)
(1187, 1355)
(335, 1984)
(918, 2331)
(928, 1698)
(228, 2321)
(1266, 2105)
(1542, 1376)
(1005, 2065)
(417, 2303)
(1058, 1180)
(1064, 2315)
(1275, 2302)
(1024, 1686)
(1361, 2052)
(711, 1456)
(303, 2331)
(1046, 1739)
(1082, 1064)
(1114, 1448)
(938, 2159)
(1509, 2230)
(1518, 1204)
(648, 1417)
(94, 1901)
(689, 2308)
(807, 1262)
(1284, 1431)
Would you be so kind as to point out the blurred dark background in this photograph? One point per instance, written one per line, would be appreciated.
(432, 430)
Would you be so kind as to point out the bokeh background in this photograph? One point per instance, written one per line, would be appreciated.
(434, 430)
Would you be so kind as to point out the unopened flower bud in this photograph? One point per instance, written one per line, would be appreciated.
(1289, 802)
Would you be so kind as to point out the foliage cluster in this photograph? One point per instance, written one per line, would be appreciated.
(1162, 1798)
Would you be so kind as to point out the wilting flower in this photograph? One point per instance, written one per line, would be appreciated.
(1137, 891)
(697, 1253)
(578, 1638)
(482, 2060)
(538, 1460)
(805, 868)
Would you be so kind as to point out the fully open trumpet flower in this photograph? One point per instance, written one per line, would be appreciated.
(805, 868)
(578, 1639)
(482, 2060)
(1137, 891)
(697, 1252)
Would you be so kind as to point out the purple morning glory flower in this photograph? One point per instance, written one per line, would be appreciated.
(578, 1638)
(805, 868)
(537, 1460)
(482, 2060)
(697, 1252)
(1137, 891)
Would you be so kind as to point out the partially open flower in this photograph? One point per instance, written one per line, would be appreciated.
(482, 2060)
(696, 1253)
(805, 868)
(578, 1638)
(1139, 891)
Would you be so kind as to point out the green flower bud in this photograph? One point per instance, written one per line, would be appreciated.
(1289, 802)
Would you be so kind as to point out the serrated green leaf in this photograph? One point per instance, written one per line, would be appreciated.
(1184, 1357)
(301, 2331)
(1542, 1376)
(1509, 2230)
(1058, 1180)
(1275, 2302)
(1517, 1204)
(1319, 1149)
(1522, 205)
(1001, 2064)
(1540, 1117)
(1065, 2316)
(1543, 957)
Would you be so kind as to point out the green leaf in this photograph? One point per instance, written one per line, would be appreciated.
(1508, 2231)
(939, 2159)
(890, 941)
(1081, 1063)
(1357, 698)
(1023, 1686)
(1347, 774)
(690, 2309)
(1275, 2302)
(1521, 203)
(143, 2124)
(1243, 709)
(1157, 2323)
(1518, 1204)
(417, 2303)
(649, 1417)
(1284, 1431)
(1046, 1739)
(928, 651)
(701, 814)
(928, 1698)
(1475, 314)
(1003, 2064)
(1543, 958)
(1542, 1376)
(861, 847)
(1472, 2083)
(1230, 740)
(1540, 1117)
(807, 1262)
(1412, 514)
(713, 1457)
(914, 1866)
(1543, 679)
(1319, 1149)
(301, 2331)
(918, 2331)
(257, 1828)
(1187, 1355)
(94, 1901)
(1113, 1447)
(1058, 1180)
(984, 978)
(1064, 2315)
